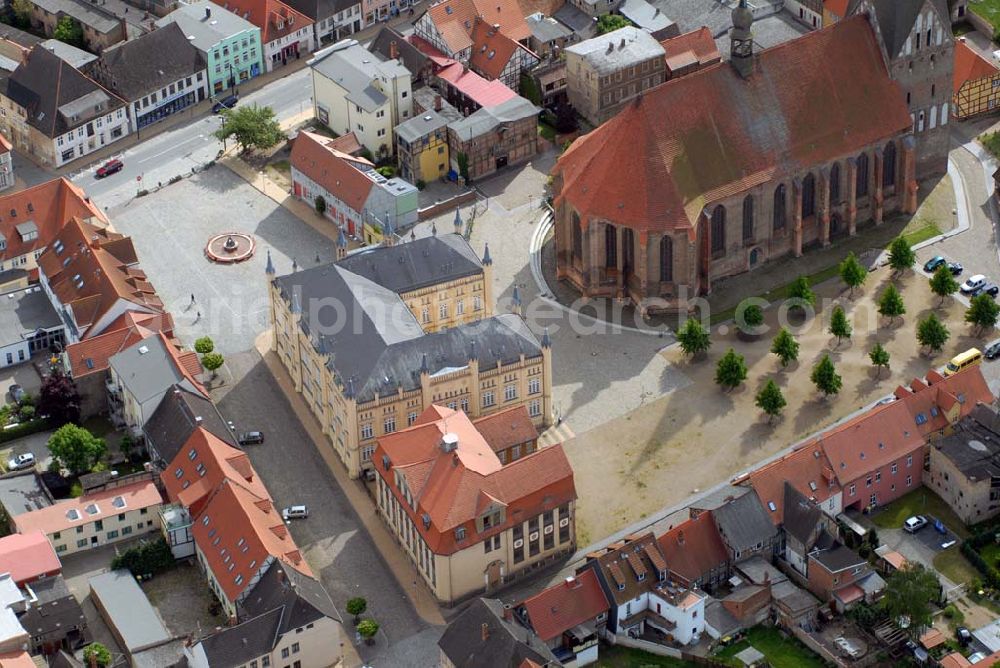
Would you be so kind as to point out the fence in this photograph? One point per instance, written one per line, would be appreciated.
(827, 655)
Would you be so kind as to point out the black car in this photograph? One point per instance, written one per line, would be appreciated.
(251, 438)
(964, 635)
(992, 351)
(225, 103)
(955, 268)
(990, 289)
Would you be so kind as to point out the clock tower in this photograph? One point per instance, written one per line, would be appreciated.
(741, 41)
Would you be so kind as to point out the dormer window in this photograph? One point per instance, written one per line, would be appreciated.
(621, 586)
(642, 576)
(662, 575)
(460, 534)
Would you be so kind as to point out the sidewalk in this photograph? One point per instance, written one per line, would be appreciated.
(410, 581)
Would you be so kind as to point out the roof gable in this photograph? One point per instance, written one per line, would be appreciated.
(693, 548)
(562, 606)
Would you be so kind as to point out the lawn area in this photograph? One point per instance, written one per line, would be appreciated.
(921, 234)
(626, 657)
(988, 9)
(781, 652)
(920, 501)
(952, 564)
(991, 141)
(780, 292)
(547, 131)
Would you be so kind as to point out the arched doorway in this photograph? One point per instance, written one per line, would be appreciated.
(755, 257)
(837, 228)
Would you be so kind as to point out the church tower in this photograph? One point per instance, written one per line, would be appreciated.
(741, 41)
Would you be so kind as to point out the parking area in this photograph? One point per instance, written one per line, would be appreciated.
(170, 229)
(20, 374)
(36, 444)
(183, 600)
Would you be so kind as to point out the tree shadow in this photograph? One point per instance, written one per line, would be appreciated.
(813, 413)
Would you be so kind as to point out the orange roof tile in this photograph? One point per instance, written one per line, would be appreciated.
(969, 65)
(90, 508)
(932, 638)
(693, 547)
(481, 91)
(91, 355)
(455, 19)
(638, 171)
(313, 155)
(453, 488)
(491, 49)
(237, 531)
(50, 206)
(562, 606)
(954, 660)
(836, 7)
(807, 469)
(268, 15)
(17, 659)
(697, 46)
(507, 428)
(28, 556)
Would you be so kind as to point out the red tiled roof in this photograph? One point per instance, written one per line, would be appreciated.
(237, 531)
(955, 660)
(565, 605)
(836, 7)
(17, 659)
(476, 88)
(454, 488)
(612, 562)
(91, 269)
(969, 65)
(266, 15)
(5, 145)
(636, 170)
(125, 331)
(807, 469)
(313, 156)
(346, 144)
(693, 547)
(932, 638)
(849, 594)
(455, 20)
(697, 46)
(491, 50)
(991, 660)
(55, 518)
(50, 206)
(27, 556)
(507, 428)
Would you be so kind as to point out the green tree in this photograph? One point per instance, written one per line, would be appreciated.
(529, 89)
(982, 312)
(901, 256)
(879, 357)
(69, 31)
(96, 653)
(611, 22)
(785, 347)
(852, 272)
(22, 12)
(204, 345)
(909, 593)
(890, 304)
(771, 400)
(252, 126)
(463, 166)
(356, 606)
(368, 628)
(932, 334)
(753, 316)
(943, 283)
(825, 377)
(76, 448)
(800, 291)
(840, 326)
(320, 204)
(693, 337)
(731, 370)
(59, 399)
(212, 362)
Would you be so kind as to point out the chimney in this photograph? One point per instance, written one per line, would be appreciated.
(611, 47)
(232, 620)
(197, 419)
(449, 442)
(437, 103)
(622, 44)
(680, 537)
(508, 612)
(485, 631)
(570, 582)
(393, 50)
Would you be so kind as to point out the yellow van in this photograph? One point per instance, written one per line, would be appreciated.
(971, 357)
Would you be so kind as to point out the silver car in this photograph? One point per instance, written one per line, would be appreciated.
(22, 461)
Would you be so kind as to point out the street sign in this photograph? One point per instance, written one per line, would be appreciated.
(139, 178)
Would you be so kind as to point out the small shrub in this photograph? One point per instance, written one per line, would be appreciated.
(142, 193)
(174, 179)
(420, 184)
(146, 558)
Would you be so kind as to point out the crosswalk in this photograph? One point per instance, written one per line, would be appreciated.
(557, 433)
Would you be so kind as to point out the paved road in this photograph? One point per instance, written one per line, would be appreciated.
(179, 150)
(333, 538)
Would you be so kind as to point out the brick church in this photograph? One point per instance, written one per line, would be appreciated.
(769, 154)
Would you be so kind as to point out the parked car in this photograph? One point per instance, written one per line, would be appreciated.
(20, 462)
(973, 283)
(964, 635)
(955, 268)
(976, 658)
(990, 289)
(225, 103)
(251, 438)
(932, 264)
(16, 393)
(295, 513)
(109, 168)
(914, 524)
(993, 350)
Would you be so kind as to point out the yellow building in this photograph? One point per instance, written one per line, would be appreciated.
(422, 147)
(373, 339)
(976, 83)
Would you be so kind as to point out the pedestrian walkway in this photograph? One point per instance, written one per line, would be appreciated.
(406, 574)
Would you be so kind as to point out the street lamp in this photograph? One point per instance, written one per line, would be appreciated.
(224, 145)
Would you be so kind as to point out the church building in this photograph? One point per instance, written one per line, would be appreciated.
(765, 156)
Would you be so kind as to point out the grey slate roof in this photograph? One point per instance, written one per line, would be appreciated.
(639, 47)
(151, 62)
(46, 86)
(126, 609)
(301, 598)
(72, 55)
(410, 56)
(646, 16)
(176, 418)
(420, 125)
(507, 644)
(487, 119)
(237, 645)
(743, 523)
(318, 10)
(56, 609)
(85, 13)
(547, 29)
(417, 264)
(576, 20)
(837, 558)
(22, 494)
(974, 446)
(206, 32)
(147, 368)
(801, 515)
(720, 619)
(25, 313)
(896, 18)
(353, 68)
(20, 37)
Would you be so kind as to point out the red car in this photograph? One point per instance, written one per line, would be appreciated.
(109, 168)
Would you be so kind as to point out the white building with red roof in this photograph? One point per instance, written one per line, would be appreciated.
(28, 557)
(569, 617)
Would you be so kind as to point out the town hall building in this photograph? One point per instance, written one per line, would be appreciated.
(713, 174)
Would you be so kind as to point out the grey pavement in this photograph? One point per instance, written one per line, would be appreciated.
(170, 229)
(36, 444)
(333, 538)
